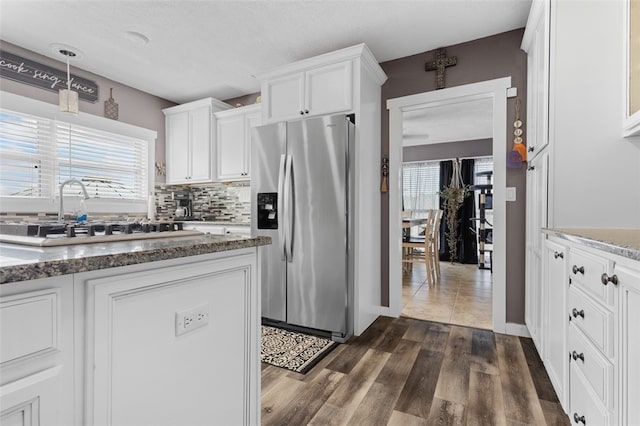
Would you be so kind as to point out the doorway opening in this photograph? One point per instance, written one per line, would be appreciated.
(457, 292)
(497, 92)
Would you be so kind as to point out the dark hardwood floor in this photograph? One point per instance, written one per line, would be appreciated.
(411, 372)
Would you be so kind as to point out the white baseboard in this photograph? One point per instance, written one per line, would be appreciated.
(514, 329)
(385, 311)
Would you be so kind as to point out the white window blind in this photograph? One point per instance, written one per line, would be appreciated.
(38, 154)
(420, 186)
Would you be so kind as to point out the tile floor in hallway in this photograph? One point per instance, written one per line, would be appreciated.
(462, 295)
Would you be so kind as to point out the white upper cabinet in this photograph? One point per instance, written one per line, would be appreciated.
(323, 85)
(190, 140)
(234, 141)
(536, 43)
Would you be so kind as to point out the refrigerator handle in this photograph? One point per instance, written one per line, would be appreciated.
(288, 184)
(281, 209)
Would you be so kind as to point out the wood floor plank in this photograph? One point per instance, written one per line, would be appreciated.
(276, 400)
(417, 330)
(436, 337)
(395, 372)
(357, 346)
(391, 337)
(484, 357)
(446, 413)
(355, 386)
(376, 407)
(403, 419)
(306, 402)
(486, 405)
(352, 389)
(417, 393)
(553, 414)
(520, 397)
(453, 383)
(541, 380)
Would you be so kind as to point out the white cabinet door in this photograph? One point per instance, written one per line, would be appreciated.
(231, 147)
(36, 352)
(234, 142)
(284, 97)
(251, 120)
(555, 323)
(200, 137)
(329, 89)
(177, 129)
(175, 346)
(538, 78)
(537, 174)
(629, 371)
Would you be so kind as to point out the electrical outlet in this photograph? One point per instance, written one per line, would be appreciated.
(191, 319)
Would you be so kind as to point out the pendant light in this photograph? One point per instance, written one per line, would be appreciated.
(68, 98)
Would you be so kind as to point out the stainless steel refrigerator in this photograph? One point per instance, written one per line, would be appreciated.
(301, 183)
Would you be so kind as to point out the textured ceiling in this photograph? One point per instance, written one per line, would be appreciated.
(197, 49)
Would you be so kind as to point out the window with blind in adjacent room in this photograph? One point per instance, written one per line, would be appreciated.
(420, 187)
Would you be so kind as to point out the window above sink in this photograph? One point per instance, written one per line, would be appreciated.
(41, 147)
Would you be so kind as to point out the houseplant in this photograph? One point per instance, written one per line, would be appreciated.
(453, 196)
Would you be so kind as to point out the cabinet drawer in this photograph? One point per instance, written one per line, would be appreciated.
(585, 271)
(595, 321)
(585, 407)
(596, 369)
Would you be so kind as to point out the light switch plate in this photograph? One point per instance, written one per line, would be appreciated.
(511, 193)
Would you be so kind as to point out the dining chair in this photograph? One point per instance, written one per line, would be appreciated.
(434, 239)
(417, 249)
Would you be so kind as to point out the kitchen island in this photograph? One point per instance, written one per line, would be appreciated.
(158, 332)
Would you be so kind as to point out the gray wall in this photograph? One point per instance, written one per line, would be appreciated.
(448, 150)
(479, 60)
(134, 106)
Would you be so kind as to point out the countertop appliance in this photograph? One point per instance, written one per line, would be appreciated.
(301, 180)
(184, 205)
(45, 234)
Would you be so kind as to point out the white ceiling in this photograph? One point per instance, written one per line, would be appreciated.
(465, 121)
(212, 48)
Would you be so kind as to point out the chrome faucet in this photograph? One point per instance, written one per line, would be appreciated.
(60, 207)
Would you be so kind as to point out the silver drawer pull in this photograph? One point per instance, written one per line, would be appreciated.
(576, 269)
(577, 313)
(575, 355)
(579, 419)
(606, 279)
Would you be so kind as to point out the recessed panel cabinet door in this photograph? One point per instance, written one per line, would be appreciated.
(231, 147)
(329, 89)
(629, 283)
(200, 127)
(284, 97)
(178, 148)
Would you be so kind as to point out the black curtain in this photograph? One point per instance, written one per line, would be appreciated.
(467, 242)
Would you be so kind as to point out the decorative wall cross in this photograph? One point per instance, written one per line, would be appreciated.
(439, 66)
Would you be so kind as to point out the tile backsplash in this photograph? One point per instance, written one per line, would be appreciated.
(215, 202)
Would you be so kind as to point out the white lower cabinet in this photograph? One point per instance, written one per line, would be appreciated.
(174, 342)
(175, 345)
(554, 311)
(629, 387)
(36, 352)
(590, 332)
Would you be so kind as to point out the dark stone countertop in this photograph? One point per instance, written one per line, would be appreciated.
(21, 263)
(622, 242)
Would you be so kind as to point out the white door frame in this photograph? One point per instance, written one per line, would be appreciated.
(496, 90)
